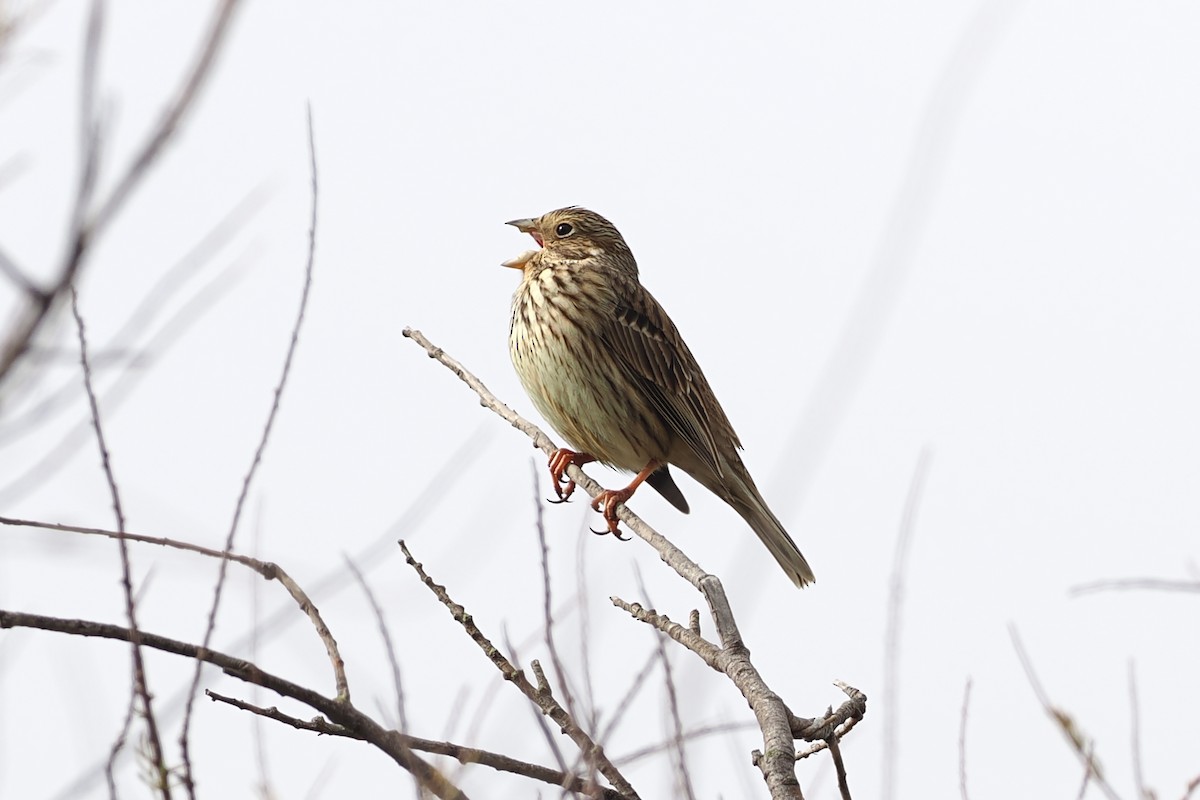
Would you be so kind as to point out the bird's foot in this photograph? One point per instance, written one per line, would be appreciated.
(610, 499)
(563, 458)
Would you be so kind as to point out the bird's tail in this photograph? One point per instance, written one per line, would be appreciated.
(773, 535)
(740, 492)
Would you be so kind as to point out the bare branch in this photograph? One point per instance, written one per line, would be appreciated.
(388, 645)
(14, 274)
(677, 750)
(1135, 737)
(343, 688)
(560, 673)
(778, 765)
(1127, 584)
(834, 725)
(891, 658)
(550, 707)
(317, 725)
(626, 701)
(674, 557)
(338, 711)
(839, 766)
(267, 569)
(465, 755)
(1089, 769)
(425, 501)
(539, 719)
(386, 636)
(171, 119)
(690, 735)
(164, 338)
(1080, 744)
(140, 693)
(121, 347)
(86, 227)
(962, 742)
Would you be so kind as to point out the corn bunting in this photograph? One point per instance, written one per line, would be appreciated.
(604, 364)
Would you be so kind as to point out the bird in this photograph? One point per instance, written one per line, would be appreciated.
(607, 368)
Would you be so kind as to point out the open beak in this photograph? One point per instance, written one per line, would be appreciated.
(520, 261)
(527, 226)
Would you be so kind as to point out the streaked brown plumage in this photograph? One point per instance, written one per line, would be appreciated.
(604, 364)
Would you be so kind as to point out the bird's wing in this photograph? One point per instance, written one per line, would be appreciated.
(645, 340)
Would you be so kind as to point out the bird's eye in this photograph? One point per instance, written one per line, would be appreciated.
(563, 230)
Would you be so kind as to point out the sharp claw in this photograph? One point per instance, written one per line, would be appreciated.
(610, 500)
(564, 487)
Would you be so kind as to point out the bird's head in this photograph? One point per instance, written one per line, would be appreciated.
(572, 234)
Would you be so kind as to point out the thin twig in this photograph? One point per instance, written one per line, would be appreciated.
(708, 652)
(464, 755)
(318, 725)
(543, 700)
(962, 742)
(1080, 744)
(688, 736)
(169, 334)
(1135, 736)
(86, 227)
(121, 347)
(894, 251)
(1089, 770)
(1140, 584)
(343, 689)
(678, 752)
(583, 596)
(839, 766)
(171, 119)
(424, 502)
(267, 569)
(388, 646)
(560, 672)
(16, 275)
(140, 689)
(539, 718)
(626, 702)
(342, 713)
(260, 746)
(895, 606)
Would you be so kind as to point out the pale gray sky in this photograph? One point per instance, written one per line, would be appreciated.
(880, 228)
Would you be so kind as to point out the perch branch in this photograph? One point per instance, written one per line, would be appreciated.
(732, 658)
